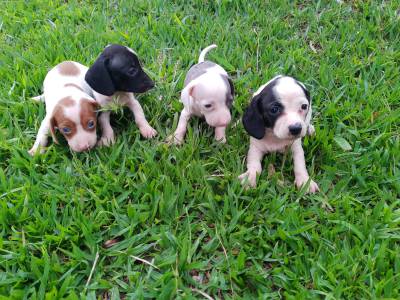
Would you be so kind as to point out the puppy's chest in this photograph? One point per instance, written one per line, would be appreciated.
(270, 143)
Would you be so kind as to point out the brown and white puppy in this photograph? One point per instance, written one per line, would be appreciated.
(208, 92)
(278, 117)
(69, 108)
(117, 74)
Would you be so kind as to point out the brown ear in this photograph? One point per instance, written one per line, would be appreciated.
(53, 125)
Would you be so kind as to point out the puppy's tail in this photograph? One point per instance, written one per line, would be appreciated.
(204, 52)
(39, 98)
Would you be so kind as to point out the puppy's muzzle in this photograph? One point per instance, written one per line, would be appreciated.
(295, 129)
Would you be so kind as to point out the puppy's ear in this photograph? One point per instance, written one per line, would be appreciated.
(53, 125)
(253, 121)
(231, 96)
(186, 95)
(99, 78)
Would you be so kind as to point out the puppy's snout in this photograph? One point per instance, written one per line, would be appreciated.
(295, 129)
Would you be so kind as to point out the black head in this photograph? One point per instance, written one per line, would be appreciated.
(118, 69)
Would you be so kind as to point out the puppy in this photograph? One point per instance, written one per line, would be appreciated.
(69, 108)
(279, 116)
(117, 73)
(208, 92)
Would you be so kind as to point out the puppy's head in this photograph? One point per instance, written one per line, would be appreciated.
(283, 105)
(76, 120)
(118, 69)
(212, 95)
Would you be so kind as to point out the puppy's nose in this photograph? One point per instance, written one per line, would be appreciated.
(295, 129)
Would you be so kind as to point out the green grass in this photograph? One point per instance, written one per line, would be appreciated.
(182, 208)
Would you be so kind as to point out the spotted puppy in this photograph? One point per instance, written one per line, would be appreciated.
(69, 108)
(208, 92)
(279, 115)
(117, 74)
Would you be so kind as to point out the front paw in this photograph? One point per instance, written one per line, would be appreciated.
(220, 139)
(106, 140)
(34, 150)
(301, 181)
(175, 139)
(248, 179)
(147, 131)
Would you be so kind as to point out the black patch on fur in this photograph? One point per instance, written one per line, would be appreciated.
(306, 92)
(117, 70)
(197, 70)
(230, 93)
(258, 115)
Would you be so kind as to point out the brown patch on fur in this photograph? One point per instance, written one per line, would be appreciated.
(59, 120)
(68, 68)
(73, 85)
(88, 113)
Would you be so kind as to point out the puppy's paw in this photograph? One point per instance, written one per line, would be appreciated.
(34, 150)
(221, 140)
(106, 140)
(310, 130)
(313, 188)
(249, 179)
(147, 131)
(175, 140)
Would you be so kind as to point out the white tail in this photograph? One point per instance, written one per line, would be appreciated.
(39, 98)
(204, 52)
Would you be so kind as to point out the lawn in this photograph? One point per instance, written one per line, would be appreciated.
(145, 220)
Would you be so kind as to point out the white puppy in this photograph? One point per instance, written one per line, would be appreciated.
(69, 108)
(278, 117)
(208, 92)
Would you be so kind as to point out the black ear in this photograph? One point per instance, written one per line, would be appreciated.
(253, 121)
(98, 77)
(303, 87)
(230, 96)
(232, 88)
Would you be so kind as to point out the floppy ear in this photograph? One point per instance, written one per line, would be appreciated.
(186, 94)
(53, 125)
(98, 77)
(253, 121)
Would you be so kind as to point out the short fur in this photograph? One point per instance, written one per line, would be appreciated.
(69, 108)
(117, 72)
(278, 117)
(208, 92)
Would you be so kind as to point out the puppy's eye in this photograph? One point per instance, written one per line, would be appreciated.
(132, 71)
(304, 106)
(90, 124)
(66, 130)
(208, 105)
(275, 110)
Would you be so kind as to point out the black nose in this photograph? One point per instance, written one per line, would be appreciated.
(295, 129)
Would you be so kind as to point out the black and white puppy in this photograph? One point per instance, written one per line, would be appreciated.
(279, 115)
(208, 92)
(117, 73)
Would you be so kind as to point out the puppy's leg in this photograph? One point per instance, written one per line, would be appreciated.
(41, 138)
(220, 134)
(179, 134)
(300, 171)
(107, 133)
(145, 129)
(254, 158)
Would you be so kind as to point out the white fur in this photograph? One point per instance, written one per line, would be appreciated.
(207, 89)
(54, 91)
(279, 138)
